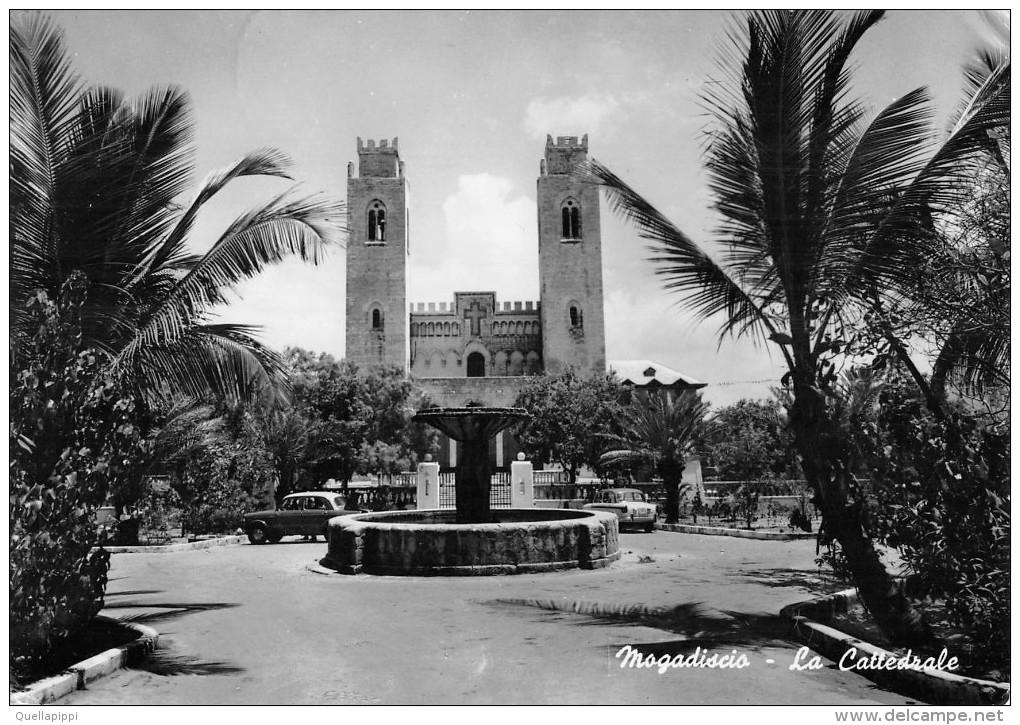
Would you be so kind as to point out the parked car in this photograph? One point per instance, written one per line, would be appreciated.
(629, 505)
(299, 513)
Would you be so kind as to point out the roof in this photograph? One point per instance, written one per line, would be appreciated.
(648, 373)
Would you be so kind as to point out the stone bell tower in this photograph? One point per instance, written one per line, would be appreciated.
(377, 257)
(570, 260)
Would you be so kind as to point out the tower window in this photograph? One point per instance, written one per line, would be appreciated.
(377, 322)
(377, 222)
(571, 217)
(576, 320)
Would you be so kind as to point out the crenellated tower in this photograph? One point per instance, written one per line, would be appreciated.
(377, 256)
(570, 260)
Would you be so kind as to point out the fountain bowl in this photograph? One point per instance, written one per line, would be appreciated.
(431, 543)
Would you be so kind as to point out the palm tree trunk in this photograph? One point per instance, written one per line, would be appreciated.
(671, 479)
(824, 454)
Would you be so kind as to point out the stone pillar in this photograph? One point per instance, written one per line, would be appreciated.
(522, 484)
(428, 484)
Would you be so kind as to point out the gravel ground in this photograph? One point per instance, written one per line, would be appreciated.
(246, 625)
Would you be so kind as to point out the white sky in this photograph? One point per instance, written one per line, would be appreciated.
(472, 95)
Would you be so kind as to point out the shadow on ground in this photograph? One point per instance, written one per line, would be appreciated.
(818, 581)
(699, 625)
(163, 660)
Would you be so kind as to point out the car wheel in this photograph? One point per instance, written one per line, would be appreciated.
(273, 537)
(257, 534)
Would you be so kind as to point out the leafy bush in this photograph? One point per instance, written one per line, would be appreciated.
(940, 495)
(161, 513)
(74, 434)
(221, 482)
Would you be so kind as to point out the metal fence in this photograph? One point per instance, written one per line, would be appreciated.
(499, 491)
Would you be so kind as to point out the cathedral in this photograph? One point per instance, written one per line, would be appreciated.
(477, 347)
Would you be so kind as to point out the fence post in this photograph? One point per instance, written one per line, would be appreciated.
(428, 484)
(522, 483)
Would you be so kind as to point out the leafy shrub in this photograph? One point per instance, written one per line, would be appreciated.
(940, 494)
(223, 481)
(161, 513)
(74, 434)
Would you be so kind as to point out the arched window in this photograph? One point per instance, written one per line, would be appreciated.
(476, 365)
(446, 328)
(376, 222)
(571, 217)
(377, 321)
(576, 320)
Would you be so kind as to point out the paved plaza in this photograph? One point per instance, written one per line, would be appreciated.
(243, 625)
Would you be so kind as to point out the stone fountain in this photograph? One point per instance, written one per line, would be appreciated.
(474, 539)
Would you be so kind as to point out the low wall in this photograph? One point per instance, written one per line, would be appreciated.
(559, 503)
(428, 543)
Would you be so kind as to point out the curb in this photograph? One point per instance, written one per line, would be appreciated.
(174, 548)
(80, 674)
(934, 687)
(737, 533)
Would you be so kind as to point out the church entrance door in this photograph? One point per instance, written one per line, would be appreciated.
(476, 365)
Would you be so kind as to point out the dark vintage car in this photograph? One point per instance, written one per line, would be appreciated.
(299, 513)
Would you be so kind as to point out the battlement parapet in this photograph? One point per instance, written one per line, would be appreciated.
(440, 308)
(528, 306)
(384, 147)
(563, 155)
(567, 142)
(380, 161)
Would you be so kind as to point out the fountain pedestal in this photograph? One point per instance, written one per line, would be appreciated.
(472, 428)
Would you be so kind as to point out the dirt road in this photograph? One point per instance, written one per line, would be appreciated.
(253, 625)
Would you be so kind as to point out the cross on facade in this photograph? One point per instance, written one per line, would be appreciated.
(476, 314)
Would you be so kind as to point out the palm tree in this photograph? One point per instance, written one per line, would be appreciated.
(826, 219)
(95, 183)
(659, 431)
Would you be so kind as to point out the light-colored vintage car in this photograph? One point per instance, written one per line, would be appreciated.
(299, 513)
(629, 505)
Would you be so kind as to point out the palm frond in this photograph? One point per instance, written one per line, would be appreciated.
(286, 226)
(223, 361)
(942, 186)
(685, 266)
(886, 158)
(44, 92)
(170, 251)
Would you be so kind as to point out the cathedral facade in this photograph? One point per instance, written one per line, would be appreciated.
(475, 347)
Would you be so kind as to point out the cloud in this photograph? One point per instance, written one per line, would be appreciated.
(491, 244)
(591, 113)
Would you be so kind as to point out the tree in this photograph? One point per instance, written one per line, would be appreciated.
(393, 442)
(570, 416)
(750, 440)
(825, 220)
(357, 423)
(328, 394)
(659, 432)
(95, 182)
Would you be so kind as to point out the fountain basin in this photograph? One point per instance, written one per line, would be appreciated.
(431, 543)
